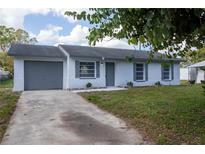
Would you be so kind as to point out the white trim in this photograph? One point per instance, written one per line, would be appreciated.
(94, 69)
(170, 74)
(143, 72)
(67, 67)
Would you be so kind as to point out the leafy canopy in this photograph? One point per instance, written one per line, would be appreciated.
(9, 35)
(195, 56)
(162, 29)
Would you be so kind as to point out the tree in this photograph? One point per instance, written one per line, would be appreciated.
(9, 35)
(194, 56)
(6, 62)
(173, 30)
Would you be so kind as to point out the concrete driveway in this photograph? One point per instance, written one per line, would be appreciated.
(63, 117)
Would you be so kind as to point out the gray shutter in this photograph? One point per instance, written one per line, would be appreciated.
(97, 69)
(162, 74)
(134, 71)
(172, 71)
(146, 71)
(77, 69)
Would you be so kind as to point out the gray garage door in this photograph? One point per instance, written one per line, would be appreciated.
(39, 75)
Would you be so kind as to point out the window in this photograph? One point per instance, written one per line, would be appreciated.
(87, 69)
(166, 72)
(139, 72)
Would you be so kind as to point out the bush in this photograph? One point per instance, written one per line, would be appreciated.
(191, 82)
(130, 84)
(88, 85)
(203, 85)
(203, 81)
(157, 83)
(6, 62)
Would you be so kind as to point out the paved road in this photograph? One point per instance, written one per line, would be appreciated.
(63, 117)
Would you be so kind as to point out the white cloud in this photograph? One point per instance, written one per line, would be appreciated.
(114, 43)
(15, 17)
(76, 36)
(51, 35)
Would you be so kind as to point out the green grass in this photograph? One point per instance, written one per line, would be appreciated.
(8, 101)
(6, 83)
(164, 115)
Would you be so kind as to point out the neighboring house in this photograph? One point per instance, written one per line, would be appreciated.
(196, 71)
(39, 67)
(184, 73)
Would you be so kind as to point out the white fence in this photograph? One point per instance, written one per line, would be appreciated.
(183, 73)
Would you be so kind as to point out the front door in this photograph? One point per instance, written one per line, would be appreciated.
(110, 73)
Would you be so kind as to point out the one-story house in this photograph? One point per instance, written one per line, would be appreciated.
(196, 72)
(41, 67)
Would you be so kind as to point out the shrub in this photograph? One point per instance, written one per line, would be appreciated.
(157, 83)
(6, 62)
(203, 81)
(130, 84)
(88, 85)
(191, 82)
(203, 85)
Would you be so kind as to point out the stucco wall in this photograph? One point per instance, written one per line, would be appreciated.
(18, 74)
(200, 75)
(81, 83)
(123, 74)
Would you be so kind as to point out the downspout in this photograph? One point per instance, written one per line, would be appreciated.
(67, 66)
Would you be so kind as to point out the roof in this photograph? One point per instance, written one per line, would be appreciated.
(111, 53)
(29, 50)
(200, 64)
(35, 51)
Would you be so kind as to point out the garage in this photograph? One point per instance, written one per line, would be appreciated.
(43, 75)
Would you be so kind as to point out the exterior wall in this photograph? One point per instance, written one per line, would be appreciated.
(196, 74)
(81, 83)
(19, 70)
(200, 75)
(18, 74)
(123, 74)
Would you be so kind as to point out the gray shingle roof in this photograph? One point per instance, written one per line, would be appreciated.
(81, 51)
(35, 51)
(110, 53)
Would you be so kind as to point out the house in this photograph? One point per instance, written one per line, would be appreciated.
(197, 71)
(40, 67)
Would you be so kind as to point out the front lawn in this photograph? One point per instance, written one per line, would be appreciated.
(8, 101)
(164, 115)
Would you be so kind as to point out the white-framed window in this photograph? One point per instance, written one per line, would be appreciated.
(140, 72)
(87, 69)
(166, 70)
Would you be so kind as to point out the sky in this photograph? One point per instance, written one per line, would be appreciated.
(51, 27)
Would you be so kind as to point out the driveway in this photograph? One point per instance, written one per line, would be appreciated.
(63, 117)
